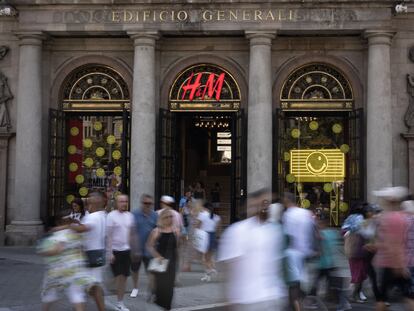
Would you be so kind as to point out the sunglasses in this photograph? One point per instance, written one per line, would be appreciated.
(147, 203)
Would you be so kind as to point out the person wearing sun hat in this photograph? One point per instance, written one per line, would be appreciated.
(390, 257)
(167, 202)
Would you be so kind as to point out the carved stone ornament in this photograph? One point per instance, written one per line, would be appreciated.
(409, 115)
(5, 96)
(3, 51)
(411, 54)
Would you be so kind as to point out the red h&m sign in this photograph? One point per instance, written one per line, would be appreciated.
(195, 89)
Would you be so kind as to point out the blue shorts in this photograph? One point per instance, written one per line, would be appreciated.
(212, 241)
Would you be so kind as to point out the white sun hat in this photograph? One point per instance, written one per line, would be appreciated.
(167, 199)
(392, 193)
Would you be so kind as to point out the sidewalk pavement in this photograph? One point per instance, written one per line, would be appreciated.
(21, 275)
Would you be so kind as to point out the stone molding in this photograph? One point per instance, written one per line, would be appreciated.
(379, 37)
(260, 37)
(31, 38)
(144, 38)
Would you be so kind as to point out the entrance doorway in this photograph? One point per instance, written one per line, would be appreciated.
(205, 148)
(320, 160)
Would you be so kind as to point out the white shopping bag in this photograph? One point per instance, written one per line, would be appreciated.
(200, 240)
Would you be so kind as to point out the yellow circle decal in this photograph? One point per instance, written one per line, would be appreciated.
(70, 198)
(88, 162)
(117, 193)
(344, 148)
(73, 167)
(327, 187)
(100, 151)
(87, 143)
(117, 170)
(83, 191)
(79, 179)
(333, 205)
(306, 203)
(97, 126)
(72, 149)
(116, 154)
(100, 172)
(111, 139)
(317, 163)
(290, 178)
(74, 131)
(295, 133)
(337, 128)
(286, 156)
(313, 125)
(343, 207)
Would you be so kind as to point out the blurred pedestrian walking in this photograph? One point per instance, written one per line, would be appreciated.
(390, 258)
(78, 209)
(167, 203)
(162, 245)
(298, 226)
(145, 221)
(251, 251)
(120, 222)
(210, 223)
(355, 251)
(65, 271)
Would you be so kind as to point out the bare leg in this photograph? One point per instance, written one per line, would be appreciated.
(97, 293)
(380, 306)
(120, 287)
(79, 306)
(46, 306)
(410, 304)
(135, 279)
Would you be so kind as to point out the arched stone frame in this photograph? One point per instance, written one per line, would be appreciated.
(68, 67)
(347, 69)
(178, 66)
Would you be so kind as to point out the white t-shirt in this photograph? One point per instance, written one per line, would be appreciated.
(297, 223)
(94, 238)
(119, 225)
(254, 253)
(208, 224)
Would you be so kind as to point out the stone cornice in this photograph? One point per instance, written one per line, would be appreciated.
(281, 2)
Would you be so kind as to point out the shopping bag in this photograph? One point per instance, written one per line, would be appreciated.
(200, 240)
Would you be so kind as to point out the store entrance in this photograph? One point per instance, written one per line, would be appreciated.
(320, 160)
(204, 148)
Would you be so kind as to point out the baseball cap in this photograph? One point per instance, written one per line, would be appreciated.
(167, 199)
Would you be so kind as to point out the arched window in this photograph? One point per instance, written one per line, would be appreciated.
(316, 87)
(204, 87)
(95, 87)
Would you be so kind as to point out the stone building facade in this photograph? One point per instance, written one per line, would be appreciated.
(149, 43)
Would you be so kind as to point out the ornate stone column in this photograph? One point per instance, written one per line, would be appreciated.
(379, 120)
(143, 117)
(26, 226)
(4, 150)
(259, 132)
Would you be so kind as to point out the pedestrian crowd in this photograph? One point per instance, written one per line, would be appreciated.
(274, 259)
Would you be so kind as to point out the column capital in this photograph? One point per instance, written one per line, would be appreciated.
(261, 37)
(142, 38)
(30, 37)
(379, 36)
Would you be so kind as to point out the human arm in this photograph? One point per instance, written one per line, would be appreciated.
(152, 240)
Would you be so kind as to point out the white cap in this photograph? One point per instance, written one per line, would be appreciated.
(392, 193)
(167, 199)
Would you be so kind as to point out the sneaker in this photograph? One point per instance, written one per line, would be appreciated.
(121, 307)
(134, 293)
(387, 304)
(362, 296)
(206, 278)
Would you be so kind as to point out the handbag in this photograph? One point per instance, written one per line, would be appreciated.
(158, 265)
(353, 245)
(96, 258)
(200, 240)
